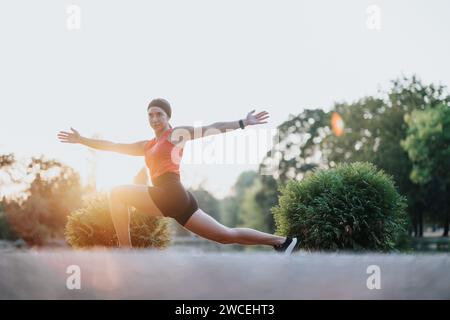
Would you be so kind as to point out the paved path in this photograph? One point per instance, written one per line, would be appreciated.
(179, 274)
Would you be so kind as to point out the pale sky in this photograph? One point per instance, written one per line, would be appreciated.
(213, 60)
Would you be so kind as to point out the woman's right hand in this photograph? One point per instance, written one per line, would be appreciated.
(69, 137)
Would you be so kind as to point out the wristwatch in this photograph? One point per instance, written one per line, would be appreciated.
(241, 124)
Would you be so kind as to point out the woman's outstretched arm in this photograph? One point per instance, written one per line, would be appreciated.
(190, 133)
(133, 149)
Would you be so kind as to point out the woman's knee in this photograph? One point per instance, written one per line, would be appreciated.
(116, 199)
(116, 193)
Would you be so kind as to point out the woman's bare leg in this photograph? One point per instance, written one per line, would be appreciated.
(121, 219)
(120, 198)
(209, 228)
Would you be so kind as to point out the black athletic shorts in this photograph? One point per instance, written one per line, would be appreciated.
(171, 198)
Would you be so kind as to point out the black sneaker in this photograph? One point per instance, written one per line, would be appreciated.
(290, 245)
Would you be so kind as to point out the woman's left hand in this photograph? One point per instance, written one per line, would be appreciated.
(256, 118)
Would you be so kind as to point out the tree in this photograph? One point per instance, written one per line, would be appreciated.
(428, 147)
(40, 213)
(299, 147)
(373, 130)
(251, 215)
(258, 200)
(5, 229)
(231, 206)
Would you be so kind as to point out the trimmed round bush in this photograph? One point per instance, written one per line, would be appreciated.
(92, 226)
(350, 207)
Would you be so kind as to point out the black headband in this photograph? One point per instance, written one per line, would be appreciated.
(163, 104)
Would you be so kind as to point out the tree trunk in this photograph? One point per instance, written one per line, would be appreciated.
(446, 209)
(421, 224)
(415, 229)
(446, 227)
(446, 212)
(414, 219)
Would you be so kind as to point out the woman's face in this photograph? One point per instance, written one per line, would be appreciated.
(157, 118)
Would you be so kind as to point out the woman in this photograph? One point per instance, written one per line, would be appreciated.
(167, 196)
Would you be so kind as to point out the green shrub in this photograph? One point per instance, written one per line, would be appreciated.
(92, 226)
(352, 206)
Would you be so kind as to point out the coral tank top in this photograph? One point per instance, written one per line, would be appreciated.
(162, 156)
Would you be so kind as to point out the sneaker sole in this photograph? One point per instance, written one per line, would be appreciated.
(291, 247)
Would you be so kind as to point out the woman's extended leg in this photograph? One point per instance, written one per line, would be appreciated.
(207, 227)
(129, 195)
